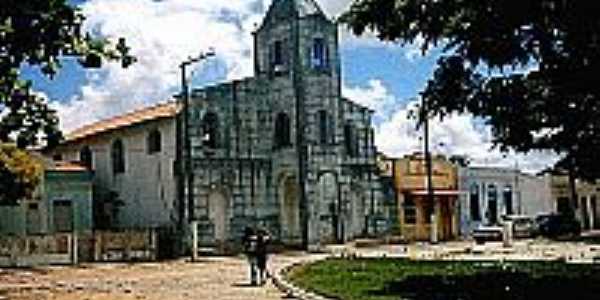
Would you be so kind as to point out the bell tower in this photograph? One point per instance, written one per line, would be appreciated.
(296, 36)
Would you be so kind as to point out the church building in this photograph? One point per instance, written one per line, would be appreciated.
(282, 150)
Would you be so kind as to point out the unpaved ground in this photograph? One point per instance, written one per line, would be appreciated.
(227, 277)
(210, 278)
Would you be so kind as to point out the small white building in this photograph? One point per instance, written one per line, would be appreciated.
(488, 193)
(133, 158)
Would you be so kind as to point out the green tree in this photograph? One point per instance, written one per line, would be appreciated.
(20, 174)
(487, 46)
(39, 33)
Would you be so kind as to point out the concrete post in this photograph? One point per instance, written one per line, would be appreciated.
(153, 244)
(591, 212)
(97, 238)
(74, 249)
(508, 233)
(194, 225)
(434, 228)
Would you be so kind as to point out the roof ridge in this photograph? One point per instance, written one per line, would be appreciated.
(121, 120)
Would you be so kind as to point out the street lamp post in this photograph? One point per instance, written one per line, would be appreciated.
(187, 166)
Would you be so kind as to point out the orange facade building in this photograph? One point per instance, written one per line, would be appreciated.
(417, 215)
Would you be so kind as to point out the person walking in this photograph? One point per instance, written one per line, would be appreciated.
(250, 243)
(261, 255)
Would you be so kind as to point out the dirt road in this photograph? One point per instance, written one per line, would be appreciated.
(210, 278)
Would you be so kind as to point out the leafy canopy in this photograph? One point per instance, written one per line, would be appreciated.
(487, 44)
(39, 33)
(20, 174)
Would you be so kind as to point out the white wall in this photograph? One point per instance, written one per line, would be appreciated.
(148, 185)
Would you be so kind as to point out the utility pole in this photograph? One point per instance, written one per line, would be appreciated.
(186, 167)
(425, 119)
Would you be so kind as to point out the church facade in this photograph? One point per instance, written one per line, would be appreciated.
(283, 150)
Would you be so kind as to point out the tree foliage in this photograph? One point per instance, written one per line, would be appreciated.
(487, 46)
(39, 33)
(20, 174)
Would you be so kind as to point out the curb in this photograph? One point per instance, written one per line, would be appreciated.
(291, 290)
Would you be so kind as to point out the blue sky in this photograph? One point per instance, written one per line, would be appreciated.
(380, 75)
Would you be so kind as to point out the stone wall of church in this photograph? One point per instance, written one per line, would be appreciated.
(250, 139)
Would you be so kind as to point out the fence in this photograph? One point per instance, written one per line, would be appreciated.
(127, 245)
(21, 251)
(70, 248)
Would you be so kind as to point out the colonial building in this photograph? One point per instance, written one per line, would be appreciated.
(133, 158)
(488, 193)
(420, 218)
(61, 203)
(585, 208)
(283, 149)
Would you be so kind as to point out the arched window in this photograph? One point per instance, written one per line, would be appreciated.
(282, 131)
(326, 128)
(154, 142)
(210, 128)
(118, 157)
(323, 127)
(85, 157)
(319, 54)
(474, 203)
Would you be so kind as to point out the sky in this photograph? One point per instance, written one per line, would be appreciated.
(386, 77)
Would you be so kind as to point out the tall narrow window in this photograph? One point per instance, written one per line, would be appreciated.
(210, 130)
(319, 53)
(118, 157)
(282, 130)
(492, 211)
(154, 142)
(508, 199)
(277, 56)
(474, 203)
(85, 157)
(350, 140)
(323, 127)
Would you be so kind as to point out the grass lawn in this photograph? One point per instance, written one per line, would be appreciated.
(387, 278)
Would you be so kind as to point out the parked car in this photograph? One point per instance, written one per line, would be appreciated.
(557, 225)
(484, 234)
(523, 225)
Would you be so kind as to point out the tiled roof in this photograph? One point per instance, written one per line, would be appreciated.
(163, 110)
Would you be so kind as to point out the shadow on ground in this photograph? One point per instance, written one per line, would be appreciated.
(492, 285)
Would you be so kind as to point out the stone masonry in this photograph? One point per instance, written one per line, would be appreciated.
(283, 149)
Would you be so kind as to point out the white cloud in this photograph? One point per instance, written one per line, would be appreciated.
(374, 96)
(396, 134)
(161, 35)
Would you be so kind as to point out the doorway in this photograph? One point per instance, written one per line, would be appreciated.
(218, 208)
(290, 211)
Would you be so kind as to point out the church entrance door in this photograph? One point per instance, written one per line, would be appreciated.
(218, 215)
(290, 211)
